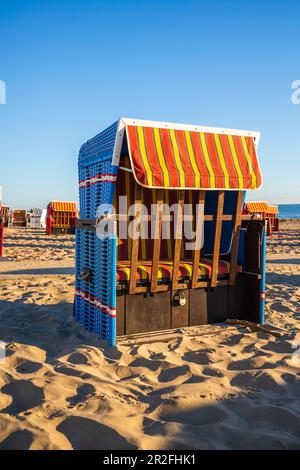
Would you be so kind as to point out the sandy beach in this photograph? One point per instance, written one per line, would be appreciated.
(210, 387)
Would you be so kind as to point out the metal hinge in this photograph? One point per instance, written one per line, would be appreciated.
(86, 224)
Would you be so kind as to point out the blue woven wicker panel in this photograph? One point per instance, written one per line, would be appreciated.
(96, 254)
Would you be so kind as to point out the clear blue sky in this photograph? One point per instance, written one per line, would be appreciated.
(73, 67)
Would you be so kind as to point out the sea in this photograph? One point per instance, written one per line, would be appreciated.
(289, 211)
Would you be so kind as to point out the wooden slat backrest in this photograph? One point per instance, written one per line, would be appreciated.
(178, 239)
(157, 239)
(159, 250)
(217, 239)
(135, 238)
(236, 236)
(199, 234)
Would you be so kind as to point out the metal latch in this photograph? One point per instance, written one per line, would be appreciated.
(180, 297)
(86, 224)
(85, 275)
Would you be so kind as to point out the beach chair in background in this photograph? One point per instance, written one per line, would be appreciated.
(1, 233)
(37, 217)
(266, 212)
(172, 177)
(5, 211)
(19, 218)
(2, 219)
(273, 221)
(28, 217)
(61, 217)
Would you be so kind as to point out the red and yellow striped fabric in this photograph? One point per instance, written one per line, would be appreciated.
(260, 207)
(181, 159)
(272, 209)
(64, 206)
(126, 187)
(166, 267)
(256, 207)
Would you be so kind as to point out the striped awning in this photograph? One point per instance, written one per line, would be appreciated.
(272, 209)
(185, 159)
(256, 206)
(63, 206)
(261, 207)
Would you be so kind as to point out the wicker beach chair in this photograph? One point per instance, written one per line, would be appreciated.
(61, 217)
(137, 270)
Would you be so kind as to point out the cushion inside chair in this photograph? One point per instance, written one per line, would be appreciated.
(165, 270)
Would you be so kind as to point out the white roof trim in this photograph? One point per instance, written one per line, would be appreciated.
(118, 142)
(188, 127)
(124, 122)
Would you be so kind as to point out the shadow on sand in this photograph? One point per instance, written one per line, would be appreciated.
(260, 416)
(41, 271)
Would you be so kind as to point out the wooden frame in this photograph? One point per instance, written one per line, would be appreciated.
(178, 240)
(236, 236)
(217, 239)
(178, 219)
(136, 239)
(157, 240)
(199, 228)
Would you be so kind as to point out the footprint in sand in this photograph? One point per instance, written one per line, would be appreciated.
(193, 415)
(279, 307)
(146, 363)
(280, 347)
(152, 427)
(84, 433)
(18, 440)
(61, 369)
(195, 379)
(209, 371)
(28, 367)
(251, 363)
(82, 394)
(157, 356)
(262, 381)
(198, 357)
(25, 395)
(174, 373)
(234, 340)
(78, 358)
(252, 348)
